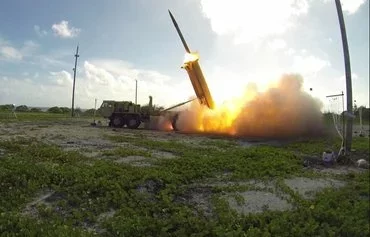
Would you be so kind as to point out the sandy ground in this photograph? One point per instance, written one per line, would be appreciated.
(79, 135)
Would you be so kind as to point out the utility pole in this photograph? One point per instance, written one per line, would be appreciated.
(95, 109)
(349, 117)
(136, 94)
(74, 82)
(136, 91)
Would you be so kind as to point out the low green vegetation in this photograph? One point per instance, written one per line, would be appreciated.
(9, 113)
(40, 116)
(46, 191)
(123, 152)
(361, 144)
(314, 146)
(31, 116)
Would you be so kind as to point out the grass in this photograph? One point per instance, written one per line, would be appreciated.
(361, 144)
(37, 116)
(82, 189)
(123, 152)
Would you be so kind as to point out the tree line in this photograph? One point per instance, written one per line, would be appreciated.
(54, 110)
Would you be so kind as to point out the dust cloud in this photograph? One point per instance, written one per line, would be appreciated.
(283, 110)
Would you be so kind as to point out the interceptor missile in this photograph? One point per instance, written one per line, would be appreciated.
(179, 32)
(195, 72)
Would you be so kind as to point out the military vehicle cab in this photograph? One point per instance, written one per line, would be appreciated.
(121, 113)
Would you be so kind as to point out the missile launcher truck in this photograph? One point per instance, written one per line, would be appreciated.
(121, 113)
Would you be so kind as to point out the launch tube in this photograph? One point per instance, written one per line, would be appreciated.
(199, 83)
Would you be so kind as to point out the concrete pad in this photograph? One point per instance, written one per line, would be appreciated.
(257, 202)
(308, 188)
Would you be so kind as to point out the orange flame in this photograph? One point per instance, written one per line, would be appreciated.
(284, 110)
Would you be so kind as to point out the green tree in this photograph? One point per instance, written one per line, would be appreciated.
(365, 113)
(78, 111)
(65, 110)
(35, 110)
(6, 107)
(22, 108)
(55, 110)
(90, 112)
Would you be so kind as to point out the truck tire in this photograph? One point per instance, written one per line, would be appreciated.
(117, 121)
(133, 122)
(174, 121)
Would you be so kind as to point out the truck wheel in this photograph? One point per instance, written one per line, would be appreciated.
(174, 121)
(117, 121)
(133, 122)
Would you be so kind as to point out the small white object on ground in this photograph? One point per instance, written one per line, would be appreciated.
(362, 163)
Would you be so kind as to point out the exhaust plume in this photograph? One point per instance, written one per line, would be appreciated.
(284, 110)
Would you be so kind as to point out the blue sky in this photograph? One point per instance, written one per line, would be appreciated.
(239, 41)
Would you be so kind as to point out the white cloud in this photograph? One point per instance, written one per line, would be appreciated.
(97, 79)
(250, 20)
(10, 53)
(62, 78)
(98, 75)
(29, 47)
(116, 67)
(39, 31)
(290, 51)
(115, 79)
(308, 65)
(63, 30)
(349, 6)
(277, 44)
(13, 54)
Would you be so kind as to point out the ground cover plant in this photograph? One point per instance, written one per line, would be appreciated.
(47, 190)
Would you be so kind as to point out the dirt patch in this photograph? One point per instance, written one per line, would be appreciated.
(130, 159)
(364, 130)
(341, 170)
(260, 195)
(308, 188)
(256, 202)
(9, 130)
(41, 198)
(199, 198)
(163, 155)
(150, 186)
(141, 164)
(137, 161)
(149, 189)
(92, 143)
(250, 184)
(2, 153)
(106, 215)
